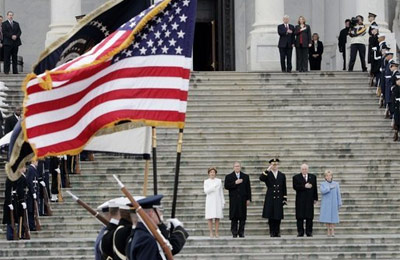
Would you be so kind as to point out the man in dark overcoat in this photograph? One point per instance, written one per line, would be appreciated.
(238, 185)
(11, 42)
(275, 197)
(305, 185)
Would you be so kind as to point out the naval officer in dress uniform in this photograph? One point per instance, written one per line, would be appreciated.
(275, 197)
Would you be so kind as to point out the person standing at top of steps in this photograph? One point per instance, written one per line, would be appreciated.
(11, 42)
(275, 198)
(357, 33)
(286, 44)
(305, 185)
(238, 185)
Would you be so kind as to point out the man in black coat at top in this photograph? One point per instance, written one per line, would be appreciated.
(305, 185)
(238, 185)
(11, 42)
(343, 40)
(275, 198)
(286, 42)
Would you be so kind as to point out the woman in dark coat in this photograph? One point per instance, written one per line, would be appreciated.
(302, 32)
(315, 52)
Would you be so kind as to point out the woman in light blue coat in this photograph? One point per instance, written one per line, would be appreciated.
(330, 203)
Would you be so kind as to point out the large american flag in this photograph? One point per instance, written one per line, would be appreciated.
(139, 73)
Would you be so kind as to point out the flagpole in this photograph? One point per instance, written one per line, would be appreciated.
(177, 168)
(154, 145)
(146, 177)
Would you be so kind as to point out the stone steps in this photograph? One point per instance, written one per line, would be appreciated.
(332, 120)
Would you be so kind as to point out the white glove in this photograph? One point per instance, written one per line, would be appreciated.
(58, 170)
(11, 207)
(374, 48)
(23, 205)
(34, 196)
(43, 183)
(175, 222)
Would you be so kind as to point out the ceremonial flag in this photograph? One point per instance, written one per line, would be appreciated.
(89, 31)
(139, 73)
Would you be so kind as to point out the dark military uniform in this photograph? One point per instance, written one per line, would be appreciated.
(305, 202)
(143, 246)
(15, 195)
(31, 180)
(239, 194)
(373, 41)
(275, 198)
(396, 102)
(106, 245)
(121, 236)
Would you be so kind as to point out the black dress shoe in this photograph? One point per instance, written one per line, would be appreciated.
(241, 235)
(300, 235)
(234, 236)
(309, 235)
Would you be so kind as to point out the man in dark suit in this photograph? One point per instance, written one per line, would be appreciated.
(343, 40)
(238, 185)
(305, 185)
(275, 198)
(12, 120)
(286, 41)
(11, 42)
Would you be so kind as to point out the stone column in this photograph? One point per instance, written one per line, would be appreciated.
(62, 18)
(262, 45)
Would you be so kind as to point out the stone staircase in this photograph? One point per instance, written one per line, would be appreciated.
(328, 119)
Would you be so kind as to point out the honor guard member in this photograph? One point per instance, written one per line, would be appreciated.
(32, 195)
(106, 244)
(143, 246)
(105, 211)
(382, 75)
(373, 31)
(15, 201)
(127, 222)
(394, 66)
(388, 84)
(377, 58)
(275, 197)
(396, 96)
(305, 185)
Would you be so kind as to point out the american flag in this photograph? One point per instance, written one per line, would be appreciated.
(139, 73)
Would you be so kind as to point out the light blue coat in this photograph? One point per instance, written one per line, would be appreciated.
(330, 203)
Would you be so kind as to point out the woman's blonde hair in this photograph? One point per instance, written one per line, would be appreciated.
(328, 172)
(298, 21)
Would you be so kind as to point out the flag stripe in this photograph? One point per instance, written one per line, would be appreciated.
(86, 134)
(60, 100)
(102, 70)
(106, 94)
(166, 108)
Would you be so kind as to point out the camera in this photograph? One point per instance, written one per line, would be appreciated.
(353, 21)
